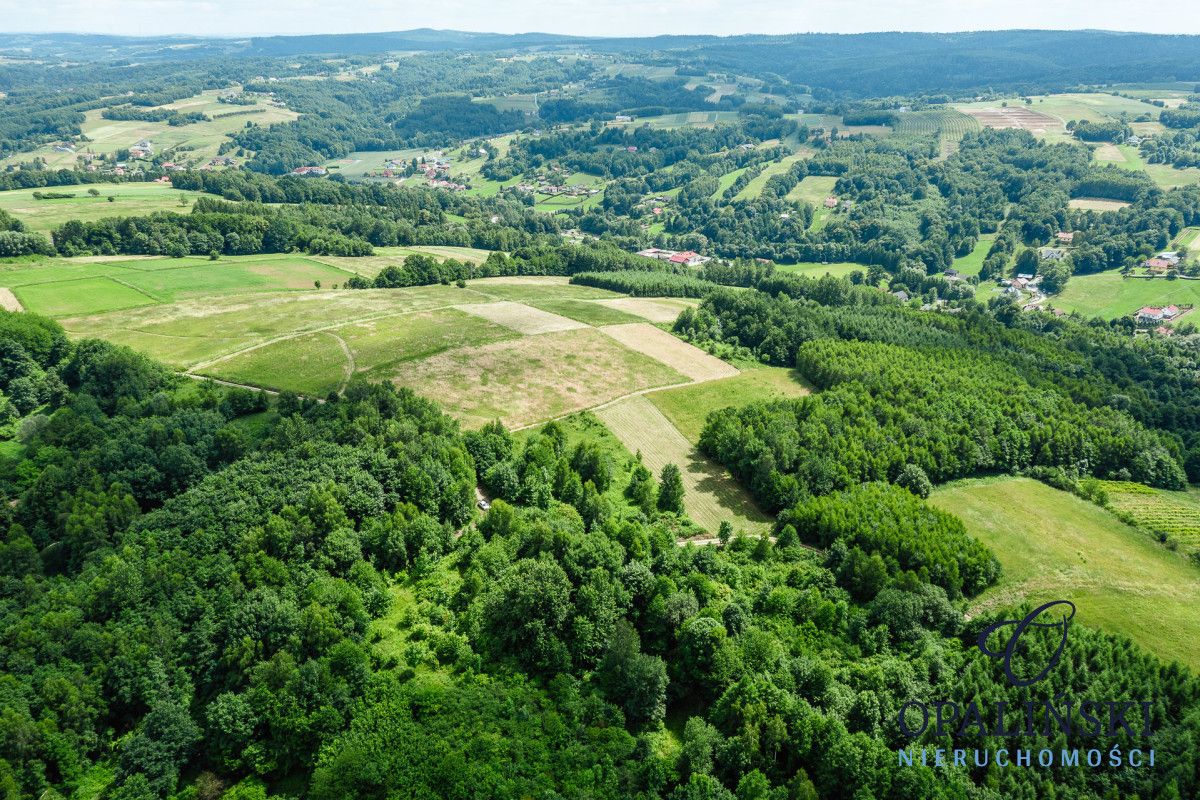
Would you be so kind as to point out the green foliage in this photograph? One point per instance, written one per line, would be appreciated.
(670, 491)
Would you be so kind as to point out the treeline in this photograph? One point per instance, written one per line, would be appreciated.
(646, 283)
(878, 524)
(170, 116)
(952, 413)
(1180, 117)
(16, 241)
(1108, 131)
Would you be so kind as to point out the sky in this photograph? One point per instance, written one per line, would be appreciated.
(589, 17)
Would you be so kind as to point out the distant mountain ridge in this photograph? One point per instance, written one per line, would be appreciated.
(870, 63)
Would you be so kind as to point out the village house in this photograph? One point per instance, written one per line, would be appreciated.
(901, 295)
(831, 202)
(306, 171)
(1051, 253)
(1065, 237)
(1148, 315)
(1156, 265)
(688, 258)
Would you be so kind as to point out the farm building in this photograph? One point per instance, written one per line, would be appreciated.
(1052, 253)
(1148, 315)
(1157, 264)
(688, 257)
(655, 252)
(308, 171)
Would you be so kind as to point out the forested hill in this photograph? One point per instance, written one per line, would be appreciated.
(870, 64)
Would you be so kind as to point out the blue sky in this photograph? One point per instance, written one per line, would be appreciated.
(595, 17)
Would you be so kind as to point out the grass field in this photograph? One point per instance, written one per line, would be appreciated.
(1108, 295)
(838, 269)
(193, 333)
(319, 363)
(1096, 204)
(813, 189)
(710, 494)
(202, 139)
(755, 187)
(534, 378)
(1129, 157)
(129, 199)
(1054, 545)
(972, 263)
(60, 289)
(1174, 513)
(589, 312)
(689, 406)
(726, 180)
(1186, 238)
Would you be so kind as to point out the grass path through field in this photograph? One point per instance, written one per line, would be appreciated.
(710, 494)
(309, 331)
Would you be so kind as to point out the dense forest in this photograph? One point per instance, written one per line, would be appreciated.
(191, 574)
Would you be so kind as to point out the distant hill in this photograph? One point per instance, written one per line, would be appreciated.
(872, 64)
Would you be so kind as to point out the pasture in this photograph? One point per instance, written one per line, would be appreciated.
(687, 407)
(1054, 545)
(710, 494)
(196, 142)
(128, 199)
(322, 362)
(726, 180)
(535, 378)
(813, 189)
(755, 187)
(1165, 175)
(972, 262)
(1096, 204)
(61, 289)
(1108, 295)
(811, 269)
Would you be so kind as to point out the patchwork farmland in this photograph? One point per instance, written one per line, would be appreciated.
(522, 350)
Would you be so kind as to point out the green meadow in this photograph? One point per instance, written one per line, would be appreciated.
(1109, 295)
(128, 199)
(689, 406)
(838, 269)
(1054, 545)
(972, 262)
